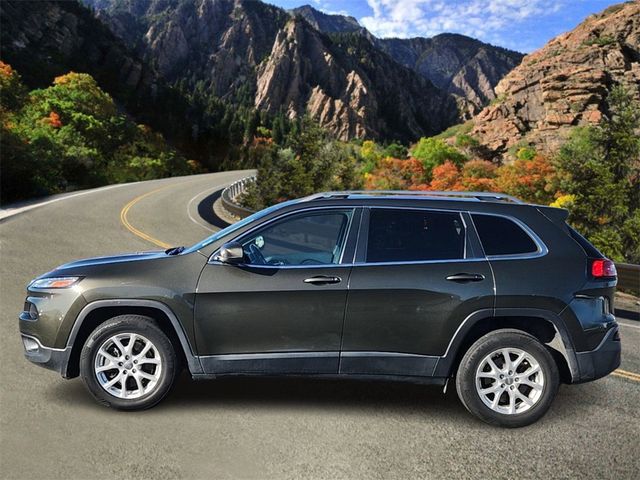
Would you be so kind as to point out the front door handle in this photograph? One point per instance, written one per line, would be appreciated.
(322, 280)
(465, 277)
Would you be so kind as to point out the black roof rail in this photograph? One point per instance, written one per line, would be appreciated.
(482, 196)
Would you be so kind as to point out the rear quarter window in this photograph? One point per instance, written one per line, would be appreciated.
(502, 236)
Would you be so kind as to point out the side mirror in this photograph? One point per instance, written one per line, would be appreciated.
(231, 253)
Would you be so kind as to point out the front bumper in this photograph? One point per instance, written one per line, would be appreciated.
(602, 360)
(51, 358)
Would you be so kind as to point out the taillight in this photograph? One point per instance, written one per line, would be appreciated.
(603, 268)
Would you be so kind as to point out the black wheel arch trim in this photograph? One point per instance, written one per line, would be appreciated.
(446, 363)
(193, 362)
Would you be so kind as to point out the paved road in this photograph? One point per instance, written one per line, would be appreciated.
(261, 428)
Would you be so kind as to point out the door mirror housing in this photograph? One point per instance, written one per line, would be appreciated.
(231, 253)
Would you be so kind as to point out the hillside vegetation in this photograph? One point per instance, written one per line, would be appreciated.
(71, 135)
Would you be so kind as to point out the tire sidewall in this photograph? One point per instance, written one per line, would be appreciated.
(466, 377)
(129, 324)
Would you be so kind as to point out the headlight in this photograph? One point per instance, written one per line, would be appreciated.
(55, 282)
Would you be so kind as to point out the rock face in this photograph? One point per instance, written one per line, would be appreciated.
(459, 65)
(307, 72)
(565, 83)
(45, 39)
(328, 23)
(218, 42)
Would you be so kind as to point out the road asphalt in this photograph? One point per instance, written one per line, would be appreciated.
(267, 428)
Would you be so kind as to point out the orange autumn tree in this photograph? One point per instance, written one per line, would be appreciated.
(395, 174)
(479, 176)
(445, 177)
(530, 179)
(475, 175)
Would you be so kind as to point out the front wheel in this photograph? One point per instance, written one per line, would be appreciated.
(128, 363)
(507, 378)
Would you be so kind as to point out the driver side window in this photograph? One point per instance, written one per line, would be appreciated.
(313, 238)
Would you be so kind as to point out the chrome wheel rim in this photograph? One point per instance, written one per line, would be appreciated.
(128, 365)
(509, 381)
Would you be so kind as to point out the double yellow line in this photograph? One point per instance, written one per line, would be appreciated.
(628, 375)
(125, 221)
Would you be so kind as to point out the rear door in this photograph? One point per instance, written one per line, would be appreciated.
(418, 274)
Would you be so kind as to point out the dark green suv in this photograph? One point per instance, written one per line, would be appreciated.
(503, 297)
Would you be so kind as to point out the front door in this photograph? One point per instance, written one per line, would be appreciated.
(282, 311)
(415, 280)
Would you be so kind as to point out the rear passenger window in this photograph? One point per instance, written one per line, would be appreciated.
(501, 236)
(397, 235)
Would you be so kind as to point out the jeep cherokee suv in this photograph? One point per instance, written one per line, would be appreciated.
(502, 297)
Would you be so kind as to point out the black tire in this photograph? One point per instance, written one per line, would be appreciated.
(134, 324)
(491, 342)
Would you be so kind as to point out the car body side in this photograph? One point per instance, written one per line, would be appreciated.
(548, 294)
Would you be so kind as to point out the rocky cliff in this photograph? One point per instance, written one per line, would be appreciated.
(328, 23)
(459, 65)
(348, 86)
(565, 83)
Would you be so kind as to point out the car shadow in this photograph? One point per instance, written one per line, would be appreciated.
(330, 395)
(294, 392)
(286, 392)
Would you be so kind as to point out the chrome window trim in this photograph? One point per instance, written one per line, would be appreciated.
(282, 267)
(212, 259)
(541, 251)
(419, 262)
(423, 262)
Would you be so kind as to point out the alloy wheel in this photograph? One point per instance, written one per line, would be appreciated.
(128, 365)
(509, 381)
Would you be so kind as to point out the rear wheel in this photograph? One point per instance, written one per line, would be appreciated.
(507, 378)
(128, 363)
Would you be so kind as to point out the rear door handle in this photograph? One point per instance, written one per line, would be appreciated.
(322, 280)
(465, 277)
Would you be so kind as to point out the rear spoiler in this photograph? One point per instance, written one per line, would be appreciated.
(555, 215)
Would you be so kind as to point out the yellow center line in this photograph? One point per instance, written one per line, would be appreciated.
(134, 230)
(628, 375)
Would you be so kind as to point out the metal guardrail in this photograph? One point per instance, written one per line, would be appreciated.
(628, 276)
(229, 198)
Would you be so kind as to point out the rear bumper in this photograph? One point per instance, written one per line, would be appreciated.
(50, 358)
(602, 360)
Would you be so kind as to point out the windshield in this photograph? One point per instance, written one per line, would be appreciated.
(235, 226)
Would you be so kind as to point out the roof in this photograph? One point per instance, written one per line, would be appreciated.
(417, 194)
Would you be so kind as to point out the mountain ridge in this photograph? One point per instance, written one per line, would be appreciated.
(458, 64)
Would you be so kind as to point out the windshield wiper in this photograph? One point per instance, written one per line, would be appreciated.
(174, 250)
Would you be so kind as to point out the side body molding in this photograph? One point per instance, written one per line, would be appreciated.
(193, 361)
(446, 362)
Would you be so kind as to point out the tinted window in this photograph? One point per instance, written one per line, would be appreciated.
(501, 236)
(307, 239)
(397, 235)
